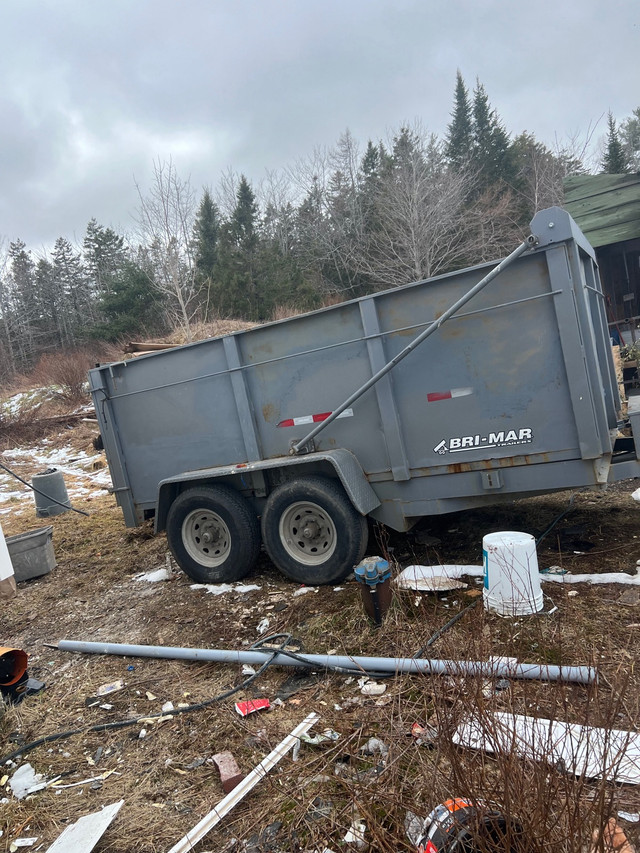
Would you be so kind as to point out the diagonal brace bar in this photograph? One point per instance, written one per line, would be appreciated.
(529, 243)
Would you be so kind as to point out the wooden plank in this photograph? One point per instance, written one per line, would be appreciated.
(606, 207)
(585, 186)
(147, 346)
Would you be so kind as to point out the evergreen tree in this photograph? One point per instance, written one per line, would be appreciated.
(104, 254)
(70, 279)
(52, 296)
(27, 309)
(541, 173)
(243, 222)
(492, 155)
(630, 138)
(614, 161)
(131, 305)
(206, 232)
(369, 182)
(459, 140)
(369, 198)
(235, 292)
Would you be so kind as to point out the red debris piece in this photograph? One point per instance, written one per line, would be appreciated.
(251, 705)
(230, 774)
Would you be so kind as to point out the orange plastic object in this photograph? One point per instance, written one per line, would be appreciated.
(19, 664)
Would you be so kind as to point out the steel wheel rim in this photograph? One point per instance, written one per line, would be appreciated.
(206, 537)
(307, 533)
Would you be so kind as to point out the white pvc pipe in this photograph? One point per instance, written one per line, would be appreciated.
(490, 669)
(225, 805)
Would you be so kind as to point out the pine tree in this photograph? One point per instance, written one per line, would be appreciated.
(630, 138)
(51, 295)
(27, 309)
(72, 283)
(459, 140)
(614, 161)
(206, 233)
(104, 254)
(492, 155)
(235, 292)
(370, 185)
(243, 221)
(131, 304)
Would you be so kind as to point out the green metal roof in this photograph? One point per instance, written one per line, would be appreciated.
(606, 207)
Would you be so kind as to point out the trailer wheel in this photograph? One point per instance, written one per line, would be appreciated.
(213, 534)
(312, 532)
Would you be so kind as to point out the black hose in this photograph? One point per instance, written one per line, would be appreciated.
(445, 627)
(120, 724)
(48, 497)
(272, 653)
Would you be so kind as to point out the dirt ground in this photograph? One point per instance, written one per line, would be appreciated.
(167, 778)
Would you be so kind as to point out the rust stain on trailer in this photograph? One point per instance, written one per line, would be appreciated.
(485, 465)
(453, 330)
(269, 412)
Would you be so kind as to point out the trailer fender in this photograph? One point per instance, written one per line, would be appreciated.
(344, 463)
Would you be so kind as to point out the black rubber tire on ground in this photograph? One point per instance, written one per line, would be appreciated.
(312, 531)
(213, 534)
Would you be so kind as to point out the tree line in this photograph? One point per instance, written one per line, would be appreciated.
(341, 223)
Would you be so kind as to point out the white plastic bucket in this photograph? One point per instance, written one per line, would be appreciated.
(511, 578)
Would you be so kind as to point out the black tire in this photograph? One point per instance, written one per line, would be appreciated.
(213, 534)
(334, 540)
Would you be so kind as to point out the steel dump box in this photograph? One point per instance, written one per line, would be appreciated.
(514, 395)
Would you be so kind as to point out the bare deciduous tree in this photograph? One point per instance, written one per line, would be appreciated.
(165, 220)
(330, 216)
(421, 225)
(276, 198)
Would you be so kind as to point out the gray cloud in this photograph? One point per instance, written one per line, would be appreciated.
(92, 93)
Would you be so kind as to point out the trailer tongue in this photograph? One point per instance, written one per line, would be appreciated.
(476, 387)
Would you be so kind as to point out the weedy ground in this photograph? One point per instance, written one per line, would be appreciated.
(167, 779)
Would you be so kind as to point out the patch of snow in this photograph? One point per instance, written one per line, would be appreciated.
(154, 576)
(70, 462)
(304, 590)
(221, 588)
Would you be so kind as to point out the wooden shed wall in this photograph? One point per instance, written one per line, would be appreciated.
(606, 207)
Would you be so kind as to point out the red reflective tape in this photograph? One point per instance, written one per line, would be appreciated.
(313, 419)
(434, 396)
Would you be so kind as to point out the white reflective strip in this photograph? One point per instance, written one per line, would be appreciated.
(308, 419)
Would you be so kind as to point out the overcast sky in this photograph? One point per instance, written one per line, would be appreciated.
(93, 91)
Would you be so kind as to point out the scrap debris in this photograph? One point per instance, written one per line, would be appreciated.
(230, 773)
(588, 751)
(26, 781)
(250, 706)
(436, 578)
(84, 834)
(214, 817)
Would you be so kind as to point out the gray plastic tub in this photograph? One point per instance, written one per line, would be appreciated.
(32, 553)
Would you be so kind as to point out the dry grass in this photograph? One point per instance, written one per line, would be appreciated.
(67, 370)
(92, 595)
(212, 329)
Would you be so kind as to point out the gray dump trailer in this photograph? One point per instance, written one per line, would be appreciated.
(464, 390)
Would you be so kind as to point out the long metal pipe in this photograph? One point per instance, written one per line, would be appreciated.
(529, 243)
(491, 669)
